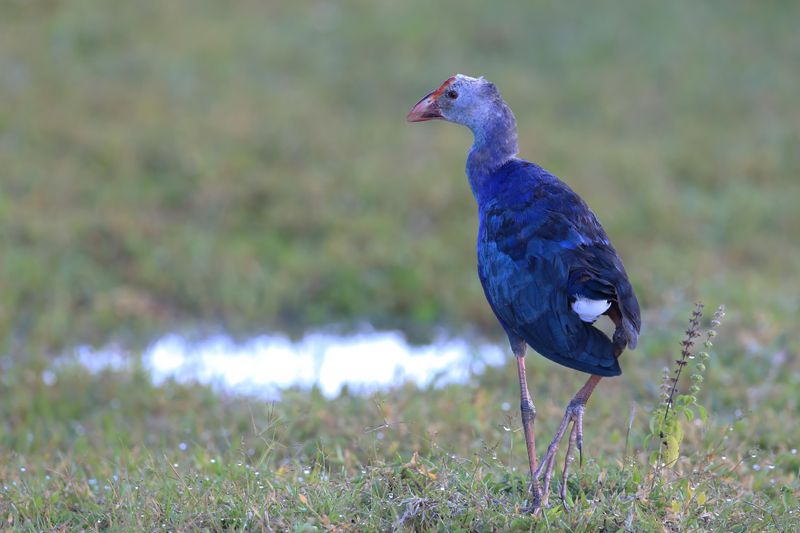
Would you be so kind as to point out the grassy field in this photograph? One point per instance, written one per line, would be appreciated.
(113, 452)
(247, 167)
(251, 166)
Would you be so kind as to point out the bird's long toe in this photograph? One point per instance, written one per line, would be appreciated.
(574, 416)
(573, 437)
(548, 474)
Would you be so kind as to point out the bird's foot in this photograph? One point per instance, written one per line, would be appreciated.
(574, 415)
(535, 505)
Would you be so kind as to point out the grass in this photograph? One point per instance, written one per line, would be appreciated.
(249, 166)
(111, 451)
(169, 165)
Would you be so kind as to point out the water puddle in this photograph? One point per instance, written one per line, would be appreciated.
(264, 365)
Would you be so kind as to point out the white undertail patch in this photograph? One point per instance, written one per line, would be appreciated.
(590, 310)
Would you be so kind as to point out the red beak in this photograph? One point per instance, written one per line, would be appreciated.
(426, 109)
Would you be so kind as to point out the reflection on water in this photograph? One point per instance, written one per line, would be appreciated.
(266, 364)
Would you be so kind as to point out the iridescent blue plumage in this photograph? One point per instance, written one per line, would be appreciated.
(539, 248)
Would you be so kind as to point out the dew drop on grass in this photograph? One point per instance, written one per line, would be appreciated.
(306, 470)
(724, 457)
(794, 451)
(175, 465)
(22, 469)
(506, 406)
(756, 467)
(379, 435)
(506, 428)
(213, 461)
(49, 378)
(182, 446)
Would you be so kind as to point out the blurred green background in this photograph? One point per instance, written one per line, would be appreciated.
(247, 166)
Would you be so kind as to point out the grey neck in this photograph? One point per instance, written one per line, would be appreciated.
(494, 145)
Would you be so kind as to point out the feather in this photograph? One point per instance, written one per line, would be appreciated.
(590, 310)
(549, 270)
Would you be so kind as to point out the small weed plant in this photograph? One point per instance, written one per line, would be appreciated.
(666, 424)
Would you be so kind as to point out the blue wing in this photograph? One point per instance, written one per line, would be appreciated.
(539, 247)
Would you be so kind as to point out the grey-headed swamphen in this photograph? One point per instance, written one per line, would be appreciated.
(546, 265)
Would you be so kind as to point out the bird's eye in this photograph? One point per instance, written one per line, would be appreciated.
(451, 94)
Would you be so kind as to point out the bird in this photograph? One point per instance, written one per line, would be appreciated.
(546, 265)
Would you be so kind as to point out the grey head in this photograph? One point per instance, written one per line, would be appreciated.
(473, 102)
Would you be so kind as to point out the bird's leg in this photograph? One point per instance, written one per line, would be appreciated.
(573, 414)
(548, 468)
(567, 460)
(549, 459)
(528, 412)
